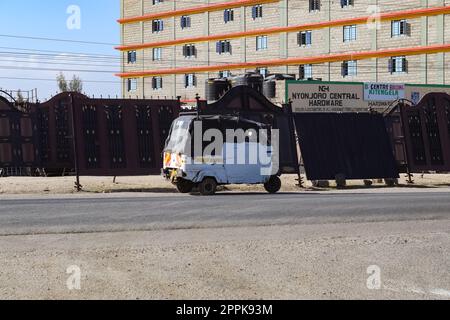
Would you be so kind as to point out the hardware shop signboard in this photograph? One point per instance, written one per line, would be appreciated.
(326, 97)
(320, 96)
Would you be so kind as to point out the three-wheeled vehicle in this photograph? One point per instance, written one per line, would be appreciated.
(204, 151)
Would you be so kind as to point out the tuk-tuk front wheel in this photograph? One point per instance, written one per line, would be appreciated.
(208, 187)
(273, 185)
(184, 186)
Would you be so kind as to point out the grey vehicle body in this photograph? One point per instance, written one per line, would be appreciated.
(234, 163)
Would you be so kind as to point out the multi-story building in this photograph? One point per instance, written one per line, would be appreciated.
(171, 47)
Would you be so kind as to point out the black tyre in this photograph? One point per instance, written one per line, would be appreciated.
(321, 183)
(184, 186)
(391, 182)
(273, 185)
(208, 187)
(341, 181)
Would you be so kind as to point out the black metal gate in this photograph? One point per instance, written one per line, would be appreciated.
(19, 137)
(112, 136)
(427, 133)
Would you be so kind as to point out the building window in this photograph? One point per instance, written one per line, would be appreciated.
(400, 28)
(261, 43)
(190, 80)
(132, 56)
(185, 22)
(257, 11)
(157, 54)
(263, 71)
(398, 65)
(349, 68)
(157, 1)
(157, 26)
(223, 46)
(305, 72)
(189, 51)
(228, 15)
(347, 3)
(314, 5)
(349, 33)
(132, 85)
(157, 83)
(304, 38)
(225, 74)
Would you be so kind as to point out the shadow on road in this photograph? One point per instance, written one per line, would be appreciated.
(138, 190)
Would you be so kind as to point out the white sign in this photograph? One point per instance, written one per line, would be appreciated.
(313, 97)
(383, 91)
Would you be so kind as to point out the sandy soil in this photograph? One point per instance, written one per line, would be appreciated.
(281, 262)
(65, 185)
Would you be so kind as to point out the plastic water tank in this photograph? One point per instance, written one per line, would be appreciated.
(216, 88)
(253, 80)
(280, 76)
(269, 88)
(269, 84)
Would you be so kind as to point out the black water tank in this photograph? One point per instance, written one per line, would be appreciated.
(216, 88)
(269, 89)
(253, 80)
(280, 76)
(269, 84)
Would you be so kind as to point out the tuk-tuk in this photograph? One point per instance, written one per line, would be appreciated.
(205, 151)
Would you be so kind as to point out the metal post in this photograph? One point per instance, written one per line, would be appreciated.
(405, 148)
(197, 97)
(294, 138)
(78, 186)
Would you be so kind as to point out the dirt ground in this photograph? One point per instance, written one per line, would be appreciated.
(156, 184)
(324, 261)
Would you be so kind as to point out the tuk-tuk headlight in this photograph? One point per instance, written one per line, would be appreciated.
(180, 160)
(167, 159)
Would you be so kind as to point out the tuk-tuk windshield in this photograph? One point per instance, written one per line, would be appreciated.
(179, 138)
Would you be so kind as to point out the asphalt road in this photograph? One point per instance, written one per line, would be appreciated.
(155, 212)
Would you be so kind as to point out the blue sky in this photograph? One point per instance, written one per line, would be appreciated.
(48, 19)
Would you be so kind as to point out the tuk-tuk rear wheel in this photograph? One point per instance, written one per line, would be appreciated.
(208, 187)
(273, 185)
(184, 186)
